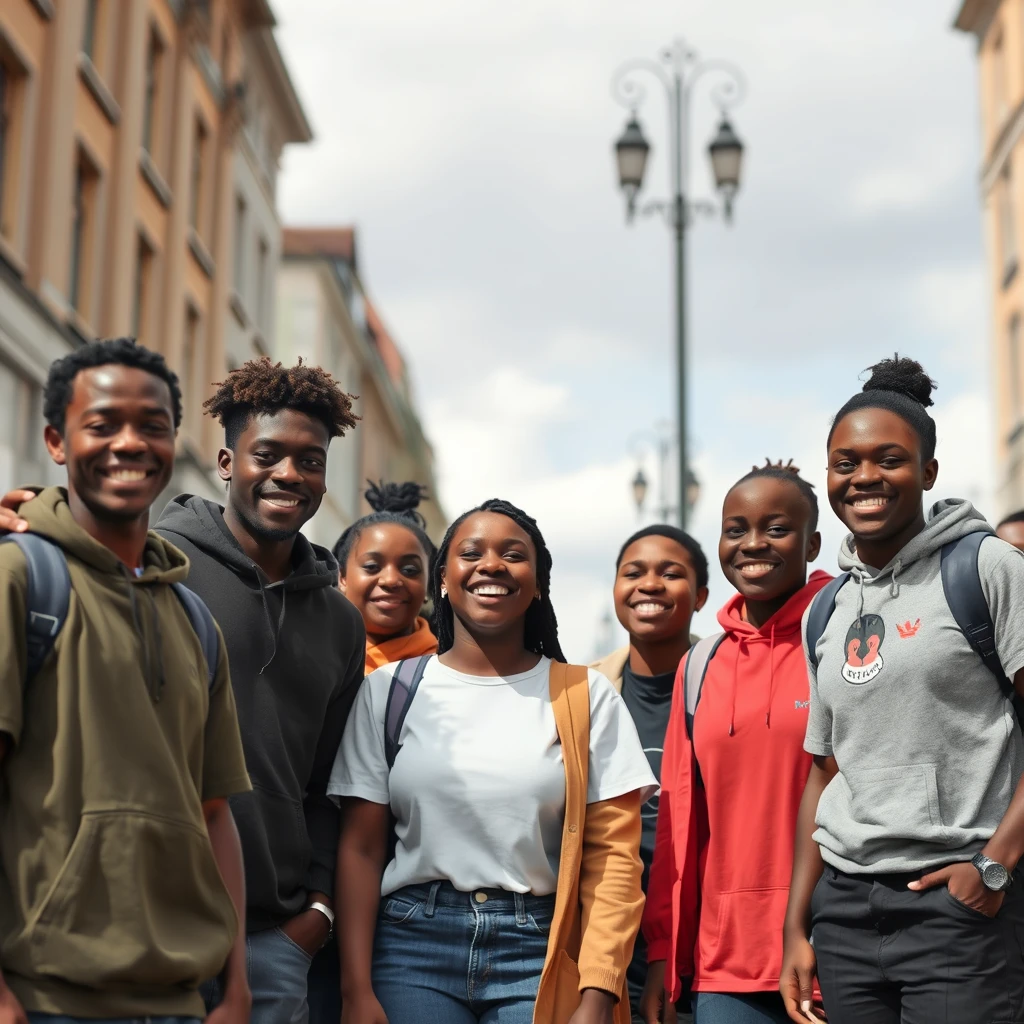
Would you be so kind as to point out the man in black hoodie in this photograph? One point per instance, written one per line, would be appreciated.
(296, 648)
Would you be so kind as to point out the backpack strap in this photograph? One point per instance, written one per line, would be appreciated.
(694, 671)
(822, 607)
(206, 629)
(404, 684)
(961, 584)
(49, 594)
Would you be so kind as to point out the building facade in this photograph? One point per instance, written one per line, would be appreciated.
(998, 27)
(325, 317)
(124, 130)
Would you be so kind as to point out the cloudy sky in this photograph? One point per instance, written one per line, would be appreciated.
(470, 142)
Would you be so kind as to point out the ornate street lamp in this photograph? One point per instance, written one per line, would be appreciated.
(639, 489)
(726, 152)
(631, 159)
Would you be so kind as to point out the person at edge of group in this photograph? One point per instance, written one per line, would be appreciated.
(122, 885)
(384, 564)
(730, 792)
(906, 901)
(295, 646)
(661, 580)
(513, 894)
(1011, 529)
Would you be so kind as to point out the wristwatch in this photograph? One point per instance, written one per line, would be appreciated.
(993, 874)
(329, 914)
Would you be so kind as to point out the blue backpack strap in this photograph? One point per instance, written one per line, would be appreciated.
(202, 622)
(404, 684)
(49, 594)
(822, 607)
(694, 671)
(961, 584)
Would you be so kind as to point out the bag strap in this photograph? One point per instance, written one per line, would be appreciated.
(404, 684)
(202, 622)
(961, 584)
(694, 670)
(49, 594)
(822, 607)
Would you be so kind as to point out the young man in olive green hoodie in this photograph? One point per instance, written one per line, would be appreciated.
(121, 883)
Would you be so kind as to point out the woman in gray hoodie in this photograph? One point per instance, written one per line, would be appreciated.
(905, 901)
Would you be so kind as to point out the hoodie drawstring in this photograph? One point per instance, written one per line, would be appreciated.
(155, 680)
(735, 686)
(771, 678)
(743, 645)
(894, 587)
(274, 633)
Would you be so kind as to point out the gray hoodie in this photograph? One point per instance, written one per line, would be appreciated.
(928, 747)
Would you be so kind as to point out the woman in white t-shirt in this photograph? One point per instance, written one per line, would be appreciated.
(513, 893)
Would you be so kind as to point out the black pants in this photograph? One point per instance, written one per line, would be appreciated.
(889, 955)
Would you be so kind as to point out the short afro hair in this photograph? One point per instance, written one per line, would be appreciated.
(681, 537)
(123, 351)
(260, 386)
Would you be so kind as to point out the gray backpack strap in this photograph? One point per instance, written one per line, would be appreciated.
(822, 607)
(49, 594)
(202, 622)
(694, 671)
(404, 684)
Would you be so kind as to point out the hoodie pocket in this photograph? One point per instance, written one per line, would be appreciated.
(746, 939)
(895, 803)
(139, 901)
(277, 847)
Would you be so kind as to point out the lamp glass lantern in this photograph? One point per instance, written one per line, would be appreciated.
(726, 152)
(639, 489)
(631, 152)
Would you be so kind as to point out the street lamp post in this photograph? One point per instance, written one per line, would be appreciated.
(678, 70)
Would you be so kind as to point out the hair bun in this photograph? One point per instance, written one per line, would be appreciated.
(904, 376)
(402, 499)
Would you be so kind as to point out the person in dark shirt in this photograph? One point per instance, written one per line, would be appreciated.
(661, 580)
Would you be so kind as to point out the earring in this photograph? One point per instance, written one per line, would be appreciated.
(444, 593)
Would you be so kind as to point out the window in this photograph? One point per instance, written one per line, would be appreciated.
(89, 31)
(1014, 369)
(83, 225)
(999, 83)
(13, 86)
(198, 183)
(239, 254)
(150, 107)
(190, 351)
(263, 286)
(143, 274)
(5, 123)
(1007, 223)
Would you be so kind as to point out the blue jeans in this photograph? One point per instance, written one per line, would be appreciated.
(277, 977)
(58, 1018)
(447, 957)
(751, 1008)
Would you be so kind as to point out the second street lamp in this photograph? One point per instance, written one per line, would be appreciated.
(679, 70)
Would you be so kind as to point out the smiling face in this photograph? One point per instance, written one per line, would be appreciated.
(656, 591)
(385, 577)
(1012, 533)
(118, 441)
(767, 539)
(877, 478)
(277, 472)
(490, 575)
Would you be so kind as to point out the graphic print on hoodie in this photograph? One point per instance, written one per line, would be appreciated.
(296, 651)
(927, 744)
(727, 816)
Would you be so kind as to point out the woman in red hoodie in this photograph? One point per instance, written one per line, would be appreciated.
(729, 799)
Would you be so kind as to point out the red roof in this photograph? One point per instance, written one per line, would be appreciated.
(335, 243)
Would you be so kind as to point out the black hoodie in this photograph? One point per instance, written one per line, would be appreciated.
(296, 651)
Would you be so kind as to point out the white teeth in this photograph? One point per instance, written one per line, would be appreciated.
(870, 502)
(128, 475)
(491, 590)
(648, 607)
(756, 568)
(282, 502)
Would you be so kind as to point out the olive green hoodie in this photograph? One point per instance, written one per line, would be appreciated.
(111, 902)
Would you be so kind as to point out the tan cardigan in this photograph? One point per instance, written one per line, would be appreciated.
(598, 902)
(611, 666)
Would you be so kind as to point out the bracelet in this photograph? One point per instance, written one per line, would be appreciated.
(326, 911)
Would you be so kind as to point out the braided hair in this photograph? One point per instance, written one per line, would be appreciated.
(901, 386)
(540, 634)
(260, 386)
(790, 474)
(391, 503)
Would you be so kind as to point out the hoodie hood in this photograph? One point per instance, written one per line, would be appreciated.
(201, 523)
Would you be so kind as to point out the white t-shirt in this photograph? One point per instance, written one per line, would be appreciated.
(478, 788)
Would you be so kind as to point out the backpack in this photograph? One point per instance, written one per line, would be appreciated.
(404, 684)
(961, 585)
(49, 594)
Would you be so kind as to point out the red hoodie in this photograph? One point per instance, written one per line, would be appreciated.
(724, 849)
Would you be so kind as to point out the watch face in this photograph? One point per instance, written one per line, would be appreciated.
(995, 876)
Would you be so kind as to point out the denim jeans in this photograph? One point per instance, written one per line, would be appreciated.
(277, 977)
(447, 957)
(59, 1018)
(751, 1008)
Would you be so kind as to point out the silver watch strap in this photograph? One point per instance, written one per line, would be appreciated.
(325, 910)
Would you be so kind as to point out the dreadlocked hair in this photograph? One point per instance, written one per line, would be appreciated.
(123, 351)
(540, 634)
(790, 474)
(260, 386)
(391, 503)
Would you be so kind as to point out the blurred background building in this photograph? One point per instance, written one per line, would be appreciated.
(998, 26)
(140, 142)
